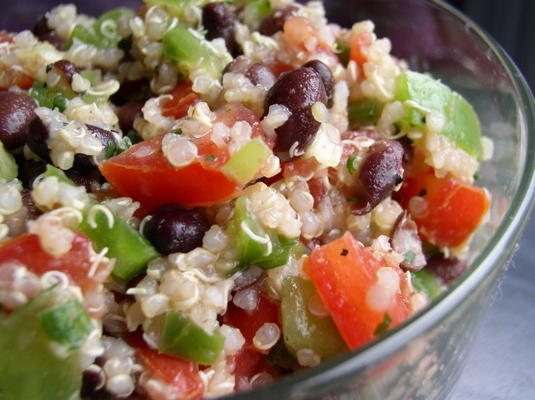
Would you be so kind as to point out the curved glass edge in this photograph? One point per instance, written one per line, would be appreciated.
(497, 251)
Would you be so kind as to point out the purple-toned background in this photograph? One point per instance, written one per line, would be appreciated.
(502, 362)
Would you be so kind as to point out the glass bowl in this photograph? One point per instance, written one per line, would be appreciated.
(423, 358)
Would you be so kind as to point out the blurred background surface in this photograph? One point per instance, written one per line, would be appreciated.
(501, 365)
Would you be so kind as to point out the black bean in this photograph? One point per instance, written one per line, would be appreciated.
(297, 90)
(379, 173)
(90, 178)
(447, 269)
(257, 73)
(132, 91)
(29, 170)
(104, 136)
(128, 113)
(45, 34)
(66, 69)
(218, 19)
(174, 229)
(261, 75)
(37, 142)
(274, 22)
(37, 138)
(406, 241)
(92, 381)
(82, 161)
(16, 112)
(326, 76)
(29, 204)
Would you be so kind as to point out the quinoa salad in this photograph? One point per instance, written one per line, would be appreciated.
(198, 198)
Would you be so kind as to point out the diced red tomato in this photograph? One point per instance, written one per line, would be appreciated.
(248, 322)
(13, 77)
(343, 271)
(182, 98)
(76, 263)
(301, 167)
(454, 210)
(359, 45)
(278, 68)
(143, 173)
(299, 32)
(247, 363)
(181, 377)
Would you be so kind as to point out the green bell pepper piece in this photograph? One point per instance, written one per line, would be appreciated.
(269, 252)
(103, 34)
(462, 125)
(33, 366)
(300, 328)
(244, 164)
(177, 8)
(126, 245)
(363, 112)
(52, 171)
(94, 76)
(188, 49)
(254, 12)
(181, 337)
(50, 98)
(8, 167)
(66, 324)
(426, 282)
(130, 249)
(106, 26)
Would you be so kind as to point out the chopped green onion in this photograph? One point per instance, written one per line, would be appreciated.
(351, 164)
(383, 326)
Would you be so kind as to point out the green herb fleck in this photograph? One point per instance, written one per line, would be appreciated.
(177, 131)
(110, 150)
(350, 164)
(211, 157)
(115, 149)
(477, 176)
(383, 326)
(409, 257)
(351, 199)
(342, 50)
(60, 102)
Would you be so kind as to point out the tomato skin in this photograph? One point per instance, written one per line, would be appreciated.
(248, 322)
(76, 263)
(143, 173)
(182, 98)
(180, 375)
(342, 272)
(454, 210)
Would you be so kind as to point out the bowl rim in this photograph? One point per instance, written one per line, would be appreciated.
(499, 247)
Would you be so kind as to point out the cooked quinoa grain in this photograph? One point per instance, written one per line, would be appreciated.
(194, 186)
